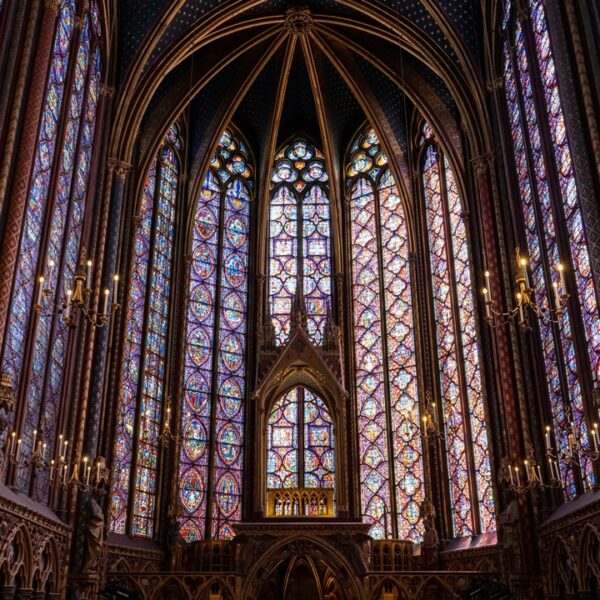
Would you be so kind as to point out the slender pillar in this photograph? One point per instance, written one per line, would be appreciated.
(107, 251)
(508, 399)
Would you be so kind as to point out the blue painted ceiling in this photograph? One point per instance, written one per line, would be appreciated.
(138, 18)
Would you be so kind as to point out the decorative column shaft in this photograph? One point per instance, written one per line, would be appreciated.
(90, 413)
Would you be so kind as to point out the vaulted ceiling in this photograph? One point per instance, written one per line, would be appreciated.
(275, 67)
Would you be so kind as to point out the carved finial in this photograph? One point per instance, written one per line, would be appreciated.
(7, 392)
(331, 339)
(298, 20)
(266, 332)
(298, 316)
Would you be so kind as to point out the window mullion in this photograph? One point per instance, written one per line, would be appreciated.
(62, 256)
(214, 396)
(386, 376)
(301, 425)
(543, 241)
(460, 359)
(20, 420)
(562, 233)
(144, 341)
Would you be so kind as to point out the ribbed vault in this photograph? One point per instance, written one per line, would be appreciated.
(274, 73)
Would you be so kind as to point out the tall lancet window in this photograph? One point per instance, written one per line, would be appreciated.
(142, 389)
(554, 230)
(214, 385)
(36, 347)
(300, 441)
(392, 478)
(458, 353)
(300, 244)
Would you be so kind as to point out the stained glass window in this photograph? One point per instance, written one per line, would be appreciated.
(75, 51)
(215, 355)
(472, 507)
(300, 239)
(392, 478)
(542, 217)
(300, 442)
(140, 405)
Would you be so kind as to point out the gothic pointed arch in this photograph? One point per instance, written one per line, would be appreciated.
(553, 232)
(37, 338)
(211, 459)
(143, 392)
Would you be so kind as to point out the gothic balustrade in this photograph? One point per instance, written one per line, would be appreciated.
(300, 502)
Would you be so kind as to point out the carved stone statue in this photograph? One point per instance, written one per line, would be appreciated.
(7, 406)
(3, 440)
(431, 545)
(94, 530)
(510, 535)
(174, 537)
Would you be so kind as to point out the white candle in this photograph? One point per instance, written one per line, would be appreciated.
(106, 299)
(115, 287)
(539, 473)
(86, 473)
(18, 453)
(51, 264)
(60, 444)
(51, 470)
(98, 472)
(518, 478)
(486, 297)
(548, 447)
(88, 282)
(488, 285)
(524, 265)
(68, 310)
(521, 318)
(512, 481)
(561, 271)
(44, 451)
(40, 291)
(556, 295)
(526, 471)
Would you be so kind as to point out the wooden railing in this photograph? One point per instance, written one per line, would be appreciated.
(300, 502)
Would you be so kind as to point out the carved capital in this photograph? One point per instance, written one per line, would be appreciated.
(482, 163)
(523, 14)
(53, 5)
(298, 20)
(107, 91)
(120, 168)
(495, 85)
